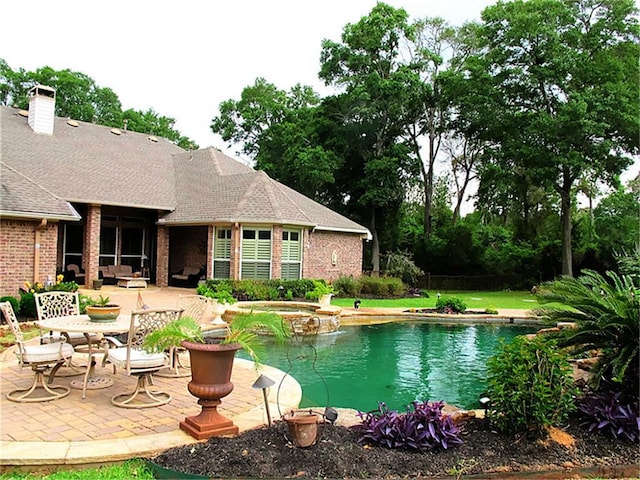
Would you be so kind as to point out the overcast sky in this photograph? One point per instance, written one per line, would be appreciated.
(183, 58)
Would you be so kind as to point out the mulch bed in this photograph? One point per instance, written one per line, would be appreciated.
(268, 453)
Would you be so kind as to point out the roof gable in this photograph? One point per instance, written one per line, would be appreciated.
(23, 198)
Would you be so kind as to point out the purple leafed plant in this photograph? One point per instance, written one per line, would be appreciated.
(604, 412)
(422, 427)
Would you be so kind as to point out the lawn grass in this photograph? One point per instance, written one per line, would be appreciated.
(127, 470)
(523, 300)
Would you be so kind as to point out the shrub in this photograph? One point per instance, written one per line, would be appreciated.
(400, 265)
(255, 290)
(604, 411)
(530, 386)
(218, 289)
(84, 301)
(27, 300)
(422, 427)
(491, 310)
(15, 303)
(381, 286)
(346, 286)
(27, 305)
(450, 305)
(320, 288)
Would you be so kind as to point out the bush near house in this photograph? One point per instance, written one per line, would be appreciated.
(381, 287)
(259, 290)
(306, 288)
(346, 286)
(27, 299)
(15, 303)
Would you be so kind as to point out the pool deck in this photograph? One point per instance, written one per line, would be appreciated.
(73, 432)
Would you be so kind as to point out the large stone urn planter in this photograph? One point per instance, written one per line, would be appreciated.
(211, 366)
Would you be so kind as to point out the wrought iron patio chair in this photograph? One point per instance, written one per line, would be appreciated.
(136, 361)
(196, 307)
(59, 304)
(40, 358)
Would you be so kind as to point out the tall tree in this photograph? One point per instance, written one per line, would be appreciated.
(435, 48)
(243, 122)
(300, 151)
(378, 86)
(561, 78)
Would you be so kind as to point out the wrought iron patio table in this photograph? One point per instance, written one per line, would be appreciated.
(83, 324)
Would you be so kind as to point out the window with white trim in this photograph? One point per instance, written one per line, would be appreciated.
(291, 254)
(222, 253)
(256, 253)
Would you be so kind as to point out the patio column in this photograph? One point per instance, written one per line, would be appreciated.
(91, 246)
(162, 257)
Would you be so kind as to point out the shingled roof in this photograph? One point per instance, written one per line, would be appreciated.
(87, 163)
(212, 186)
(21, 197)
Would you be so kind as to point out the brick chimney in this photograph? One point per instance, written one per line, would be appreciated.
(42, 105)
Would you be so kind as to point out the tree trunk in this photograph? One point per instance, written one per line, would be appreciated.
(567, 259)
(428, 193)
(375, 246)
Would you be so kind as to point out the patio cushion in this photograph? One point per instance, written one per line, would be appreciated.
(48, 352)
(186, 271)
(139, 358)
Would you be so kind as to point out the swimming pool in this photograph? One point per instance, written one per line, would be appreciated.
(394, 362)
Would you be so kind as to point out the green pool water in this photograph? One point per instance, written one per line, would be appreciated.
(395, 362)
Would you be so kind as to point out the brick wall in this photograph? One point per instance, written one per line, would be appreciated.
(329, 255)
(17, 254)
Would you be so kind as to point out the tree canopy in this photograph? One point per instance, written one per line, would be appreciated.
(78, 97)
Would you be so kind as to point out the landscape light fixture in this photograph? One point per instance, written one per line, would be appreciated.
(262, 383)
(484, 403)
(330, 414)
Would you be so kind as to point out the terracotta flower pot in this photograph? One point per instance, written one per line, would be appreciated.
(211, 366)
(303, 427)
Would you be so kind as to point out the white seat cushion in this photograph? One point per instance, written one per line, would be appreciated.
(139, 358)
(48, 352)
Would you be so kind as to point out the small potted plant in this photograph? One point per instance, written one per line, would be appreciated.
(321, 293)
(212, 362)
(101, 310)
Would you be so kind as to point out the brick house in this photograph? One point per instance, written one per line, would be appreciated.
(78, 193)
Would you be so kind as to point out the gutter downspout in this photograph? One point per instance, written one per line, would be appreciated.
(36, 252)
